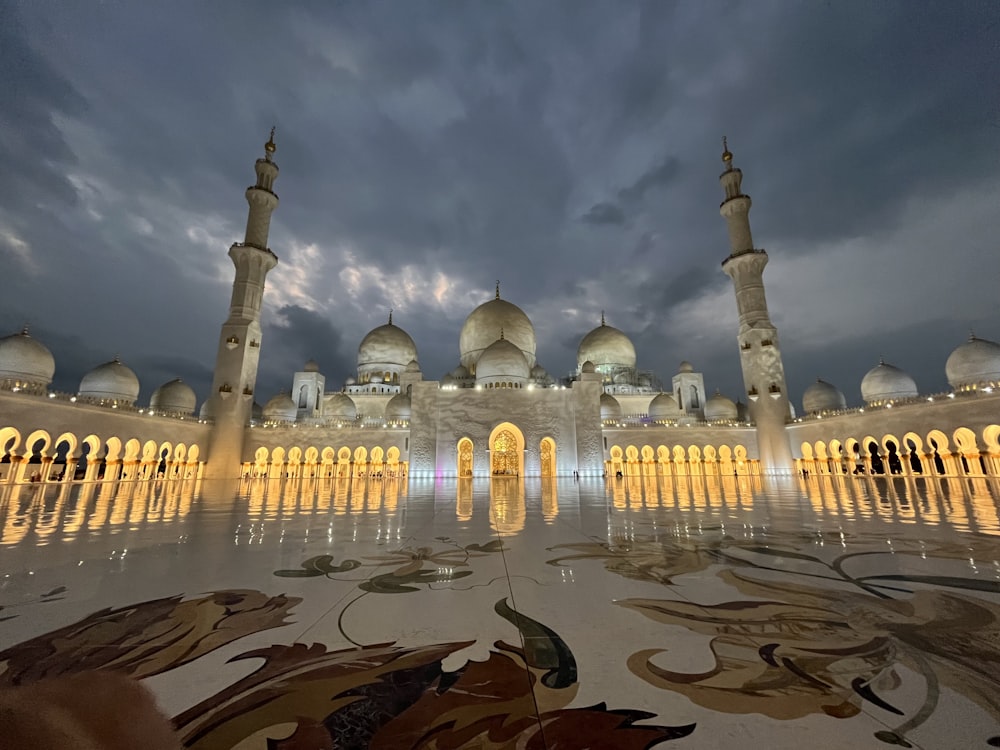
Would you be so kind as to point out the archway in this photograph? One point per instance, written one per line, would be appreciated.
(506, 451)
(548, 457)
(465, 458)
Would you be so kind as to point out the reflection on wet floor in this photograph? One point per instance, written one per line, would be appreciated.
(40, 515)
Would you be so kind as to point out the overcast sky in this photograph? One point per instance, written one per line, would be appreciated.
(569, 149)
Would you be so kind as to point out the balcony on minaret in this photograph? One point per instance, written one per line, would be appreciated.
(745, 346)
(753, 394)
(225, 390)
(232, 342)
(774, 391)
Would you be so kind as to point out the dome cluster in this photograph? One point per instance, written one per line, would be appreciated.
(483, 327)
(973, 365)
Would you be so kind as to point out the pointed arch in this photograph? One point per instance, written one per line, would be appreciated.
(547, 454)
(464, 455)
(506, 450)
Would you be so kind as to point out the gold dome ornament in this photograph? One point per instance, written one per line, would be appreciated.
(270, 147)
(727, 155)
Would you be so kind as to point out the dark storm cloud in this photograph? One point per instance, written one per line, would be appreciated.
(569, 149)
(604, 213)
(33, 95)
(294, 337)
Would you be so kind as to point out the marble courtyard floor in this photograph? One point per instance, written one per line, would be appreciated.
(700, 612)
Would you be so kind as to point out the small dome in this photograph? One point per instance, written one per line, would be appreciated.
(311, 366)
(175, 397)
(610, 408)
(111, 381)
(685, 366)
(822, 396)
(718, 408)
(339, 406)
(412, 366)
(386, 346)
(205, 412)
(663, 406)
(376, 379)
(351, 381)
(886, 382)
(281, 408)
(398, 407)
(25, 360)
(459, 373)
(483, 325)
(606, 346)
(588, 367)
(502, 361)
(974, 363)
(538, 372)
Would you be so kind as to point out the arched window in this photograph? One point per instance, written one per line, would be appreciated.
(695, 404)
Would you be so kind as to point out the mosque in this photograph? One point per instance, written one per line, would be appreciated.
(498, 413)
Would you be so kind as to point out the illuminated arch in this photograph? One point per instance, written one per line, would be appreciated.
(547, 455)
(132, 448)
(506, 450)
(965, 439)
(464, 454)
(32, 441)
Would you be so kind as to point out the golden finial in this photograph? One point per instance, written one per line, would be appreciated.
(498, 289)
(602, 318)
(727, 156)
(390, 316)
(24, 330)
(270, 146)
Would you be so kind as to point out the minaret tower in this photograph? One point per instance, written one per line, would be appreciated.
(231, 398)
(760, 354)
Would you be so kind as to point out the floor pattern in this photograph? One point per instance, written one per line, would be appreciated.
(509, 613)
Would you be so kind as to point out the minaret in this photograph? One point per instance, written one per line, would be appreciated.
(760, 354)
(231, 398)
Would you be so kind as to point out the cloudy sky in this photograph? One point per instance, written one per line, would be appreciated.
(569, 149)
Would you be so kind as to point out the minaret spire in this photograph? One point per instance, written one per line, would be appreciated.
(760, 354)
(602, 318)
(390, 316)
(233, 381)
(498, 289)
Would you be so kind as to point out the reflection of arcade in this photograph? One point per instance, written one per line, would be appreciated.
(507, 511)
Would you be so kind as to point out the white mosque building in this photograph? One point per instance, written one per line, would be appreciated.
(498, 412)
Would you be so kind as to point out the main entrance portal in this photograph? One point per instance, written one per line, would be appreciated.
(506, 451)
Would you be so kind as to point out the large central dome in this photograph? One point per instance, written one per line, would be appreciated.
(483, 327)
